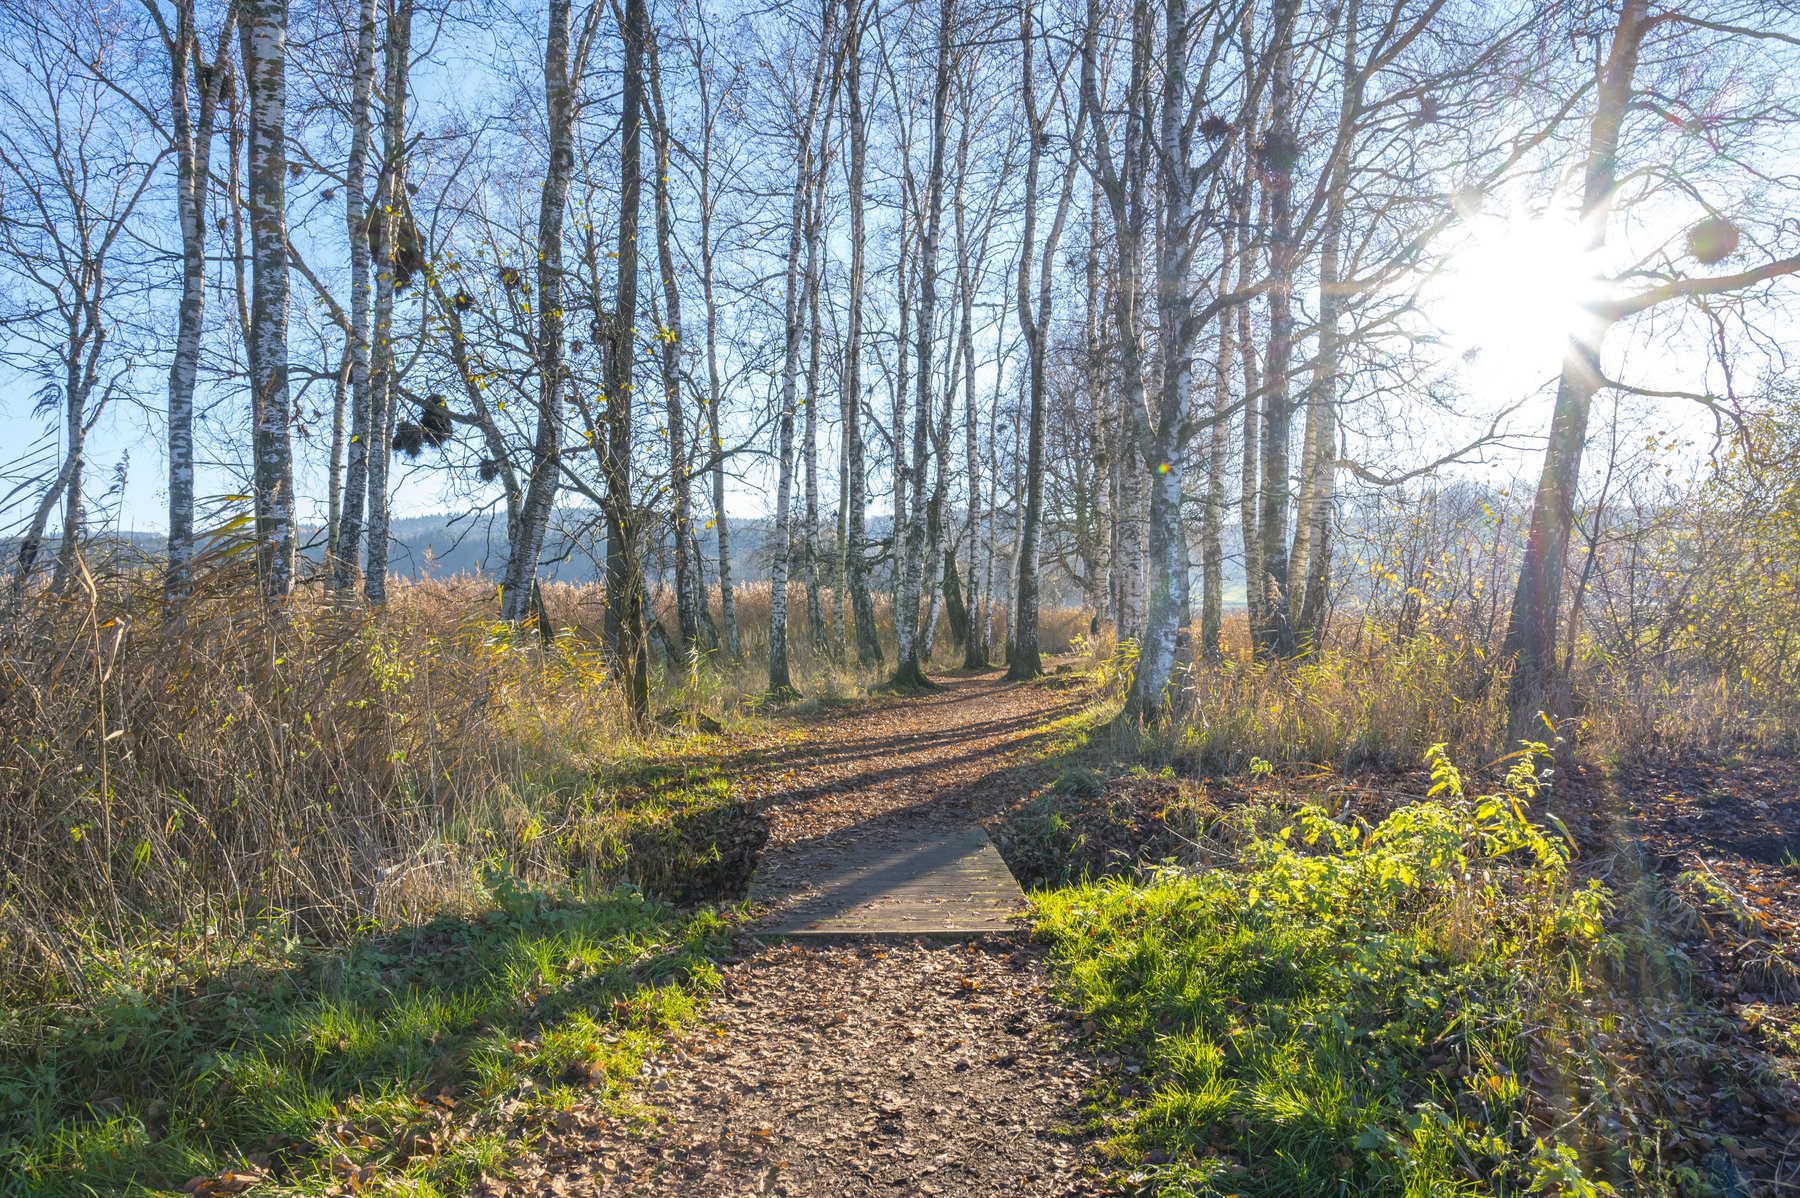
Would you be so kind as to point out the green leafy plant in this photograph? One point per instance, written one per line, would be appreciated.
(1343, 1008)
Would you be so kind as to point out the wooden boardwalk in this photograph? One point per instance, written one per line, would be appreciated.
(892, 881)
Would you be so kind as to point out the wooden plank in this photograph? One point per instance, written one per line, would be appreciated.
(939, 882)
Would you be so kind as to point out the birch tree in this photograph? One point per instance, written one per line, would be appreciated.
(562, 70)
(1617, 96)
(346, 552)
(197, 87)
(71, 185)
(669, 359)
(395, 242)
(624, 563)
(1033, 298)
(709, 187)
(909, 673)
(263, 29)
(804, 117)
(856, 546)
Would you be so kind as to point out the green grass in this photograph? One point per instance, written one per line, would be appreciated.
(424, 1054)
(413, 1058)
(1340, 1009)
(1076, 734)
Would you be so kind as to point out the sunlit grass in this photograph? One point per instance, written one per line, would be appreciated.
(429, 1054)
(1338, 1009)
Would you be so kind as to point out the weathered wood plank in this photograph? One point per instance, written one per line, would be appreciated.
(937, 882)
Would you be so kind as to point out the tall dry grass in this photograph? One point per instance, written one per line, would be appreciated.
(316, 763)
(1057, 631)
(1380, 694)
(1379, 699)
(189, 784)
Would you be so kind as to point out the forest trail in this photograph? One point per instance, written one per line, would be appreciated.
(848, 1065)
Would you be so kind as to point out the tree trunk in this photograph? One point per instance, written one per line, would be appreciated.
(1024, 659)
(780, 672)
(908, 670)
(74, 472)
(391, 202)
(975, 642)
(935, 557)
(347, 550)
(542, 480)
(193, 157)
(625, 594)
(721, 526)
(31, 543)
(956, 609)
(990, 608)
(856, 547)
(1100, 582)
(901, 393)
(809, 522)
(1177, 331)
(715, 397)
(1212, 516)
(1251, 423)
(1125, 186)
(263, 27)
(1313, 516)
(839, 613)
(1279, 150)
(1531, 629)
(680, 487)
(334, 472)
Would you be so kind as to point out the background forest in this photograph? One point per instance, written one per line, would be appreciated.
(426, 425)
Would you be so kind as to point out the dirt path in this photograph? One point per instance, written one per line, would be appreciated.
(863, 1067)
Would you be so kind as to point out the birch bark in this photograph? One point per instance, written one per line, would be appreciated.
(1212, 518)
(780, 669)
(193, 165)
(680, 487)
(1278, 152)
(263, 30)
(625, 594)
(856, 547)
(908, 668)
(391, 202)
(347, 549)
(1025, 659)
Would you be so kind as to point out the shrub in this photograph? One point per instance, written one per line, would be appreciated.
(1342, 1008)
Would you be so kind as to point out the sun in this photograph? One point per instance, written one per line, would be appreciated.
(1509, 297)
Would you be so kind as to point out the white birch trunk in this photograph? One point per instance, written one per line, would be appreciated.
(264, 39)
(780, 671)
(680, 487)
(385, 388)
(856, 549)
(347, 549)
(193, 159)
(908, 667)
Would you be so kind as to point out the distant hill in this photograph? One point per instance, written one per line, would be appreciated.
(446, 544)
